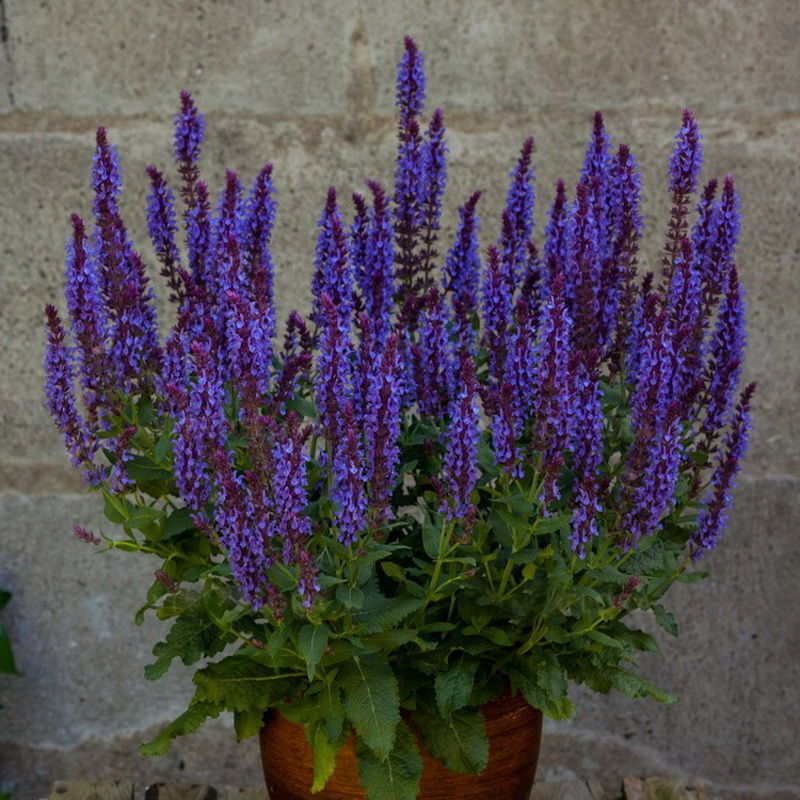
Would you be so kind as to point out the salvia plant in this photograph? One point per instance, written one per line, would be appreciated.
(439, 484)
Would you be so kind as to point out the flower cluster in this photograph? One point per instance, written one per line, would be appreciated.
(548, 369)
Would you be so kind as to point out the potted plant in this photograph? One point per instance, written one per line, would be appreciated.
(406, 527)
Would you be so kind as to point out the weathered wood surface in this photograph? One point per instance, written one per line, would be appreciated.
(663, 789)
(92, 790)
(632, 789)
(121, 790)
(568, 790)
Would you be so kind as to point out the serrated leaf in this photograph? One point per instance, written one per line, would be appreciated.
(542, 681)
(371, 701)
(380, 612)
(458, 740)
(634, 686)
(312, 641)
(605, 640)
(350, 596)
(323, 752)
(331, 710)
(454, 687)
(248, 723)
(666, 620)
(178, 521)
(190, 720)
(238, 683)
(395, 777)
(194, 634)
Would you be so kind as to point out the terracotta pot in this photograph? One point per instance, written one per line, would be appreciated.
(513, 727)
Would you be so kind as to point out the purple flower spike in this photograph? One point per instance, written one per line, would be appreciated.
(496, 297)
(382, 430)
(596, 173)
(586, 432)
(726, 233)
(410, 191)
(584, 515)
(713, 518)
(684, 170)
(618, 286)
(583, 271)
(556, 235)
(435, 379)
(333, 377)
(189, 132)
(289, 488)
(378, 286)
(60, 399)
(462, 272)
(248, 351)
(242, 529)
(725, 356)
(687, 157)
(348, 493)
(198, 236)
(434, 179)
(332, 269)
(460, 467)
(518, 216)
(552, 403)
(257, 224)
(162, 227)
(89, 320)
(200, 427)
(410, 82)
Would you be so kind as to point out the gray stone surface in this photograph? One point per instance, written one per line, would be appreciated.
(116, 57)
(310, 87)
(521, 55)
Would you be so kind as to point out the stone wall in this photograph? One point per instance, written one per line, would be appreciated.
(309, 86)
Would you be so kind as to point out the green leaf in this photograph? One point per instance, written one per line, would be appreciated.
(635, 686)
(604, 639)
(145, 470)
(393, 570)
(190, 720)
(380, 612)
(554, 523)
(303, 406)
(693, 577)
(395, 777)
(454, 687)
(350, 596)
(371, 701)
(312, 642)
(7, 664)
(324, 754)
(238, 683)
(178, 521)
(194, 634)
(331, 710)
(248, 723)
(666, 620)
(458, 740)
(163, 449)
(543, 682)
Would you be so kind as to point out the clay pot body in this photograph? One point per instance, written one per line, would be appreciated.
(514, 730)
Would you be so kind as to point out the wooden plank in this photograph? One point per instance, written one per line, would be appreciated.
(662, 789)
(568, 790)
(180, 791)
(237, 793)
(91, 790)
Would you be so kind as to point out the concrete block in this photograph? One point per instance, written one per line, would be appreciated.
(734, 667)
(81, 57)
(519, 55)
